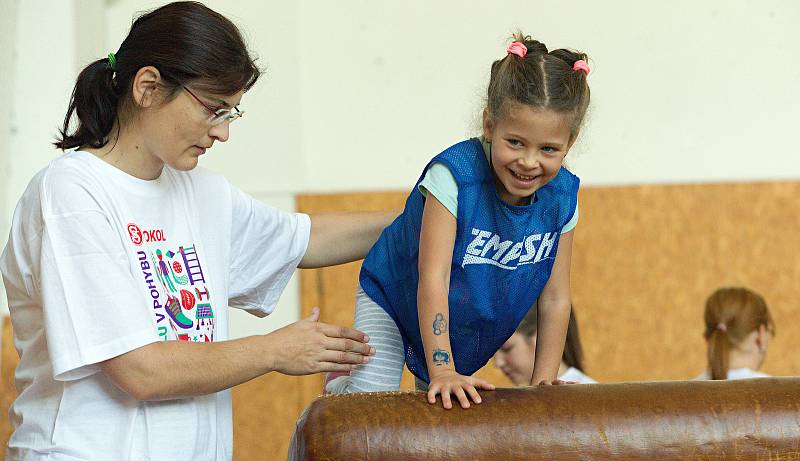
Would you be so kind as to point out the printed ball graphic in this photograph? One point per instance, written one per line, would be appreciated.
(187, 300)
(176, 266)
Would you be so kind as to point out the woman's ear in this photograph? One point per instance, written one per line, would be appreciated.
(145, 84)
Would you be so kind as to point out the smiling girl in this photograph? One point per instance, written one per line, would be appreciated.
(486, 231)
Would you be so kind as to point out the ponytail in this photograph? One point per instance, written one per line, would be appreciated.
(94, 101)
(719, 347)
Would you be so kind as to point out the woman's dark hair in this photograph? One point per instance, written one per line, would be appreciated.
(186, 41)
(573, 352)
(541, 79)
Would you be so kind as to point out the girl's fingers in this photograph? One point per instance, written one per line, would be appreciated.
(462, 397)
(432, 394)
(448, 404)
(481, 384)
(473, 393)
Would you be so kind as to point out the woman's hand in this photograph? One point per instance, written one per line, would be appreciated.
(448, 382)
(308, 346)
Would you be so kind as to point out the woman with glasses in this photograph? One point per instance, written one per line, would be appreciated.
(123, 258)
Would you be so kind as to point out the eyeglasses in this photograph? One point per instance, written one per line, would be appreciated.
(218, 116)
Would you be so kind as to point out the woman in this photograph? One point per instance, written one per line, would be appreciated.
(123, 258)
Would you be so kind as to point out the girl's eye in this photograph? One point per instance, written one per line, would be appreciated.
(549, 150)
(515, 142)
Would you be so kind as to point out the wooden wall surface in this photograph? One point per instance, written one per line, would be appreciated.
(645, 258)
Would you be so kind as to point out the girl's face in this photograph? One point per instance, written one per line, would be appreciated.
(528, 148)
(179, 130)
(515, 358)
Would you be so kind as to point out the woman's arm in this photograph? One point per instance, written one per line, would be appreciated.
(338, 238)
(553, 316)
(437, 238)
(179, 369)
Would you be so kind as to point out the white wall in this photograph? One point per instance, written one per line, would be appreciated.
(8, 41)
(359, 94)
(682, 90)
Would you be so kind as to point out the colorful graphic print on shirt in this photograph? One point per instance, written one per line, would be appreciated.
(181, 299)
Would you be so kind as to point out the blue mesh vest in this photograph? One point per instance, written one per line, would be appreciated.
(502, 258)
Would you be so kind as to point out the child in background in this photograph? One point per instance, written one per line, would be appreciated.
(515, 359)
(486, 231)
(738, 330)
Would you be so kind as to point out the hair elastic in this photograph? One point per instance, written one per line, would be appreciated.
(580, 64)
(517, 48)
(112, 61)
(722, 327)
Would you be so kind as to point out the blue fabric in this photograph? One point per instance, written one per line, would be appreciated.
(502, 258)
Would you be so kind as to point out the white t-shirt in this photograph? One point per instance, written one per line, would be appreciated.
(736, 373)
(573, 374)
(99, 263)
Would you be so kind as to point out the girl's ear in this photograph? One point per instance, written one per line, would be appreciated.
(762, 338)
(487, 125)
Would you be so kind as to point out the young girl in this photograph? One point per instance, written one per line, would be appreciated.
(515, 358)
(483, 235)
(738, 330)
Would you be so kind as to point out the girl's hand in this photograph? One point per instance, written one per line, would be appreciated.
(555, 382)
(448, 382)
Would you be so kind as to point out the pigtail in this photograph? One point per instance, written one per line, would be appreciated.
(530, 75)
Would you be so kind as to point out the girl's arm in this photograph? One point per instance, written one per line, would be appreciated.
(437, 238)
(338, 238)
(553, 316)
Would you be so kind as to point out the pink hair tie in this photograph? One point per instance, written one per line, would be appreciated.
(580, 64)
(517, 48)
(722, 327)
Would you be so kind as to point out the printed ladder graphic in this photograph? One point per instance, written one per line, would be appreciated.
(192, 263)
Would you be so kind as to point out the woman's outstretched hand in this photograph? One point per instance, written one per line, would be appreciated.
(308, 346)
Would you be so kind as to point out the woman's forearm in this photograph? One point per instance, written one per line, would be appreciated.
(338, 238)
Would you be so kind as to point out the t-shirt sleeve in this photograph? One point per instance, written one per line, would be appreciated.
(570, 225)
(93, 308)
(440, 182)
(266, 246)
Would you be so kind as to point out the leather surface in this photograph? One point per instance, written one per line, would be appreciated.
(741, 420)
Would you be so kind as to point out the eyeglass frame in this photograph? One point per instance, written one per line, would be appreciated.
(218, 116)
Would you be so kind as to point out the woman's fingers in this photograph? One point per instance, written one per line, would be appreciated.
(349, 345)
(326, 367)
(343, 357)
(333, 331)
(314, 316)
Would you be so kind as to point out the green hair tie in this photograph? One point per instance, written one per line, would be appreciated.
(112, 61)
